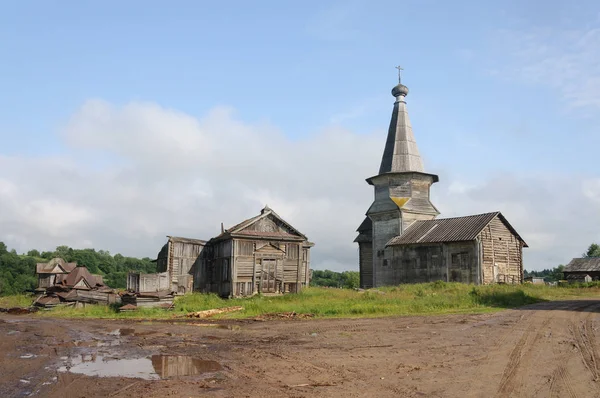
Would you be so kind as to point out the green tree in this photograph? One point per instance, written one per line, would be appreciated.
(592, 251)
(33, 253)
(3, 248)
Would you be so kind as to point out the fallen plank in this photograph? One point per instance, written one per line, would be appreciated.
(313, 385)
(216, 311)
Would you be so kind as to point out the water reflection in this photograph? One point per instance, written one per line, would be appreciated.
(148, 368)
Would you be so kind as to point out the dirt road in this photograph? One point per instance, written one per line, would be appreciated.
(544, 350)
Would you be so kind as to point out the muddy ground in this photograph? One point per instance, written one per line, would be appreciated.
(543, 350)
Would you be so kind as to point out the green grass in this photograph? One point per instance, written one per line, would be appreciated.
(419, 299)
(18, 300)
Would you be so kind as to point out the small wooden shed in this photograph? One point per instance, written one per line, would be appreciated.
(263, 254)
(177, 257)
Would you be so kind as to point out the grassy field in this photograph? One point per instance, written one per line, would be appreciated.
(419, 299)
(19, 300)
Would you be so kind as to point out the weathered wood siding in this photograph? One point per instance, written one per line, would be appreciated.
(178, 258)
(255, 265)
(502, 254)
(365, 258)
(147, 283)
(46, 280)
(449, 262)
(385, 227)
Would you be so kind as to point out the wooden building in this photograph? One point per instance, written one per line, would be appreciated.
(49, 272)
(578, 268)
(77, 285)
(263, 254)
(402, 241)
(477, 249)
(177, 257)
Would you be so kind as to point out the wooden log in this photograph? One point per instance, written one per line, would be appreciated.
(215, 311)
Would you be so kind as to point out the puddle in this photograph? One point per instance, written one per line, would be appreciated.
(148, 368)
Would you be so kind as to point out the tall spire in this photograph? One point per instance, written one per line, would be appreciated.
(401, 153)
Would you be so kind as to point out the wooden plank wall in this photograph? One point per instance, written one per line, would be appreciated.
(449, 262)
(502, 254)
(292, 269)
(365, 258)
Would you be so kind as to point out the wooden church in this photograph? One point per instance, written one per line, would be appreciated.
(401, 240)
(263, 254)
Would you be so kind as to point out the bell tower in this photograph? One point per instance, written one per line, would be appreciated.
(401, 196)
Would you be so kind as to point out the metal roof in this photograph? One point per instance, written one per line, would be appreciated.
(586, 264)
(457, 229)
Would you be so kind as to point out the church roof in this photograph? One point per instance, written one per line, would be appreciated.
(456, 229)
(586, 264)
(401, 153)
(240, 229)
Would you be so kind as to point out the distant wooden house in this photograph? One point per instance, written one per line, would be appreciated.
(578, 268)
(177, 257)
(48, 272)
(536, 280)
(263, 254)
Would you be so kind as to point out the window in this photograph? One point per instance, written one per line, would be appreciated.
(385, 262)
(292, 251)
(461, 260)
(245, 248)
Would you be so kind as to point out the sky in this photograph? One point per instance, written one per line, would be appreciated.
(124, 122)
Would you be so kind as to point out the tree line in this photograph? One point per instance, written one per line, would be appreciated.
(18, 271)
(327, 278)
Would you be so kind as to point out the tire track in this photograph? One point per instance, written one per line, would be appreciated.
(583, 344)
(515, 359)
(584, 340)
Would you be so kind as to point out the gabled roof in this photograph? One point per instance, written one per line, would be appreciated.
(585, 264)
(240, 229)
(78, 274)
(51, 266)
(456, 229)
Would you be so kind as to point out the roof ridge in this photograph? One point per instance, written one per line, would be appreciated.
(470, 215)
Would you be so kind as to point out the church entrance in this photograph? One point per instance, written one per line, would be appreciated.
(268, 282)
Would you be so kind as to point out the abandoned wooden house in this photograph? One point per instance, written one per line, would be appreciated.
(48, 272)
(263, 254)
(76, 286)
(402, 241)
(177, 257)
(579, 268)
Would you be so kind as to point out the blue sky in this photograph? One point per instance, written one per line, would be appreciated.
(503, 92)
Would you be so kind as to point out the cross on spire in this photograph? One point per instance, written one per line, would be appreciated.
(400, 69)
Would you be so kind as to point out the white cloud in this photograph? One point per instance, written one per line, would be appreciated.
(567, 61)
(173, 174)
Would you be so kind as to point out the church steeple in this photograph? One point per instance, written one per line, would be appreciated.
(401, 153)
(401, 197)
